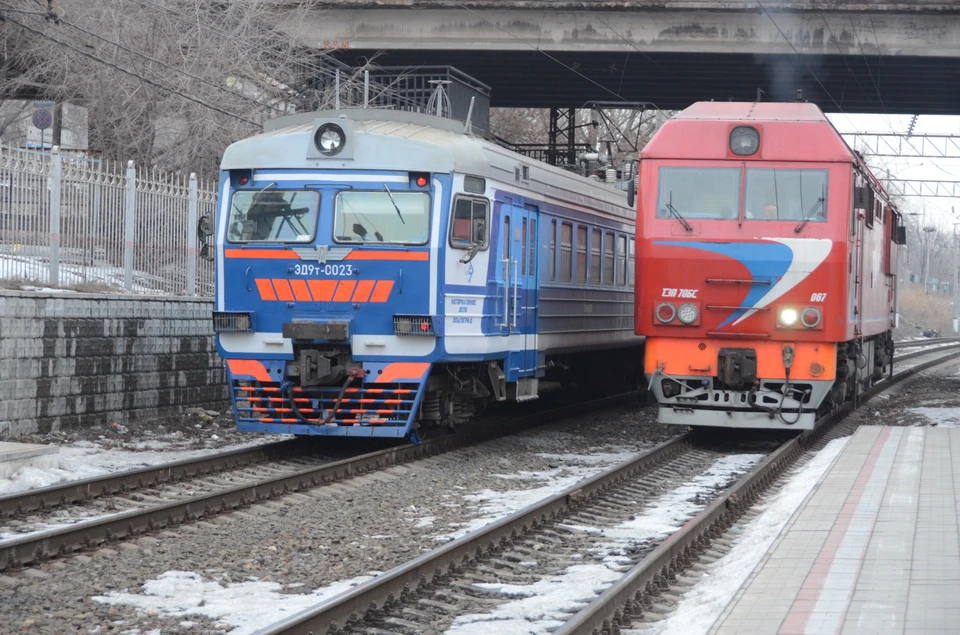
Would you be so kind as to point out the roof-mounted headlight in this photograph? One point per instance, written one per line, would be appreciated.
(744, 141)
(329, 139)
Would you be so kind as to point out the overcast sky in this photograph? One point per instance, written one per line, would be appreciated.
(914, 168)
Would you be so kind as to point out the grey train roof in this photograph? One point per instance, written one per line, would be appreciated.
(403, 141)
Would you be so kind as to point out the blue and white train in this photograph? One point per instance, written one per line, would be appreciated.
(379, 272)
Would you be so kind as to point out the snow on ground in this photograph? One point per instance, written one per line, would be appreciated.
(246, 606)
(542, 606)
(85, 459)
(37, 269)
(941, 417)
(491, 505)
(703, 603)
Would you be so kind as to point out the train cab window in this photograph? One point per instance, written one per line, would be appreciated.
(470, 224)
(566, 257)
(608, 259)
(595, 256)
(632, 263)
(621, 260)
(786, 194)
(382, 217)
(274, 216)
(581, 253)
(699, 193)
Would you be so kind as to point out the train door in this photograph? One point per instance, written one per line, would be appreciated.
(517, 282)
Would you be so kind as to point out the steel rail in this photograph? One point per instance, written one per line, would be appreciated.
(613, 608)
(39, 546)
(129, 480)
(422, 572)
(905, 357)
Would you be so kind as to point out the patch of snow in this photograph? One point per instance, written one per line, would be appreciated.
(940, 417)
(540, 607)
(84, 459)
(425, 521)
(545, 604)
(245, 606)
(491, 505)
(703, 603)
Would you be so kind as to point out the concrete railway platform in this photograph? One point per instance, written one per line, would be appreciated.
(875, 548)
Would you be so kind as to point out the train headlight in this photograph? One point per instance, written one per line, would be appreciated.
(329, 139)
(788, 316)
(811, 317)
(665, 312)
(744, 141)
(688, 313)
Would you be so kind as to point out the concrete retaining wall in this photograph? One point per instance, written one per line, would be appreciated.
(81, 359)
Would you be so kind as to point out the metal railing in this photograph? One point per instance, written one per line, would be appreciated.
(81, 223)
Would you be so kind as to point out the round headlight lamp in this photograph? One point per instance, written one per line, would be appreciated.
(688, 313)
(329, 139)
(666, 312)
(744, 141)
(811, 317)
(788, 316)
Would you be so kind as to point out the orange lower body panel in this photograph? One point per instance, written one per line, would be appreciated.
(686, 357)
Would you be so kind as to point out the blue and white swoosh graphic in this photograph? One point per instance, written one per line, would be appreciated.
(783, 262)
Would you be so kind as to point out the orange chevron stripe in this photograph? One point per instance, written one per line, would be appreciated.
(266, 289)
(344, 291)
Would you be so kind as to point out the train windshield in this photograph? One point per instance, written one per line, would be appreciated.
(782, 194)
(271, 215)
(712, 193)
(385, 216)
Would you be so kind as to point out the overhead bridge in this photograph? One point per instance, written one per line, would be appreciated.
(866, 56)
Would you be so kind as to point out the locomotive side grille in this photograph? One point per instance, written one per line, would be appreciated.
(389, 404)
(415, 325)
(232, 322)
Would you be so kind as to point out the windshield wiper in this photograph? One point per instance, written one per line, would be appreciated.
(395, 206)
(806, 217)
(677, 215)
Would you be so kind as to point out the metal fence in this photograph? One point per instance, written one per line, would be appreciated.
(81, 223)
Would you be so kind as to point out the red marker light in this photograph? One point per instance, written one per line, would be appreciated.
(243, 180)
(425, 326)
(421, 181)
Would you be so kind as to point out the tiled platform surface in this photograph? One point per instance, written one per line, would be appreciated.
(875, 549)
(14, 456)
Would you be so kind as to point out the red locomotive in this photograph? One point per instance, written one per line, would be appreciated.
(766, 268)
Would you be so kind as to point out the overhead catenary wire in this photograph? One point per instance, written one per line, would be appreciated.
(125, 71)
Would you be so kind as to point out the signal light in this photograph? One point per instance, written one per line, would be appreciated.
(421, 181)
(243, 180)
(811, 317)
(666, 312)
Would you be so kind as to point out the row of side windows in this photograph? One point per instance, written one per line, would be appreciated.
(611, 255)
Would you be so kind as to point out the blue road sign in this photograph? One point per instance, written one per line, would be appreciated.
(42, 119)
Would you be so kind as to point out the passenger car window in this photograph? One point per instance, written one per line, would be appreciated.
(621, 260)
(566, 257)
(608, 259)
(275, 216)
(581, 253)
(471, 220)
(372, 217)
(595, 256)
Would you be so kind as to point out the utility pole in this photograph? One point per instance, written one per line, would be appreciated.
(956, 277)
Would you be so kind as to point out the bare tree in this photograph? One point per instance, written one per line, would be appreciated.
(167, 83)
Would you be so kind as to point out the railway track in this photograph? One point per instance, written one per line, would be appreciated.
(428, 593)
(217, 484)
